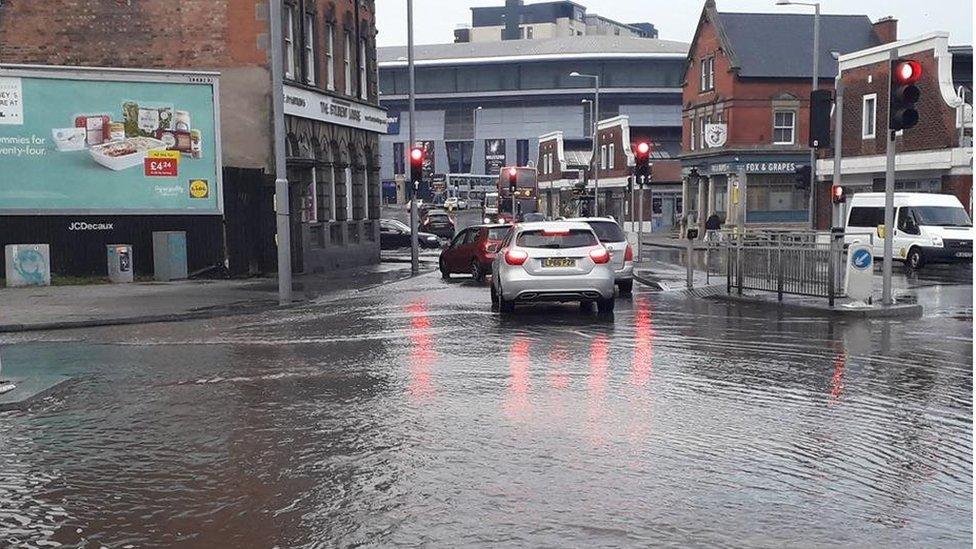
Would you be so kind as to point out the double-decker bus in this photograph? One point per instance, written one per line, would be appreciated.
(526, 192)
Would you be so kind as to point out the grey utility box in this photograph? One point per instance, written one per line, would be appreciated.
(27, 264)
(169, 255)
(119, 263)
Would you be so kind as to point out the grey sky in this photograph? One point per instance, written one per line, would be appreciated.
(435, 20)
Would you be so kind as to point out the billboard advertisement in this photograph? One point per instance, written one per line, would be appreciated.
(494, 156)
(90, 141)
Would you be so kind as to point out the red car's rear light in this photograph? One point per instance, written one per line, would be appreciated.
(515, 257)
(629, 254)
(600, 255)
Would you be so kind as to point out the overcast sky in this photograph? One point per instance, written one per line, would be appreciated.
(435, 20)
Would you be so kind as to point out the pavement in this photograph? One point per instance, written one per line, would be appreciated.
(61, 307)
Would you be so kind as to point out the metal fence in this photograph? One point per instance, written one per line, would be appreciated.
(805, 263)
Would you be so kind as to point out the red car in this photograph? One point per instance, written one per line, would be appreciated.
(472, 251)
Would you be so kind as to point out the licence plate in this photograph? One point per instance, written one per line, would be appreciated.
(558, 262)
(964, 254)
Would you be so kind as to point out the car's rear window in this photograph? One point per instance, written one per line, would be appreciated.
(438, 216)
(498, 233)
(573, 238)
(607, 231)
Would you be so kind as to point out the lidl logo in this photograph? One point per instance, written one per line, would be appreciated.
(199, 188)
(862, 259)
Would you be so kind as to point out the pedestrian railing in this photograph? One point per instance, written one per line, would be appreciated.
(805, 263)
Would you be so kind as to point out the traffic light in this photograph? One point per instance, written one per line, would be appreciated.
(904, 94)
(512, 180)
(837, 194)
(416, 166)
(642, 152)
(821, 102)
(803, 177)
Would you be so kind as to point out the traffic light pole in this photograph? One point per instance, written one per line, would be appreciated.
(889, 211)
(414, 248)
(838, 209)
(640, 219)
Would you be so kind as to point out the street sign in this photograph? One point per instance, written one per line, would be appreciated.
(860, 272)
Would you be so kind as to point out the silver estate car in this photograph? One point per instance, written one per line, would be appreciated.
(621, 252)
(552, 261)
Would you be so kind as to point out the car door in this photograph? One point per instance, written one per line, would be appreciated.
(453, 252)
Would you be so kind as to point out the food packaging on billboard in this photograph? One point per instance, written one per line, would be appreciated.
(176, 140)
(69, 139)
(96, 128)
(146, 120)
(128, 153)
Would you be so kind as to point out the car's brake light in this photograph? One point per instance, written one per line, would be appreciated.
(515, 257)
(555, 232)
(600, 255)
(629, 254)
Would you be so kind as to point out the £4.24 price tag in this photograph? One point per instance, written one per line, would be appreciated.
(161, 167)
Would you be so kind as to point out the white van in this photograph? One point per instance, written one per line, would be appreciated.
(928, 227)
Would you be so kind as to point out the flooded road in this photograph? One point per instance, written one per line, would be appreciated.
(413, 415)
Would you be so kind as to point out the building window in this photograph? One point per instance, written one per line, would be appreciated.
(399, 159)
(329, 55)
(290, 54)
(869, 115)
(603, 157)
(348, 64)
(522, 152)
(691, 132)
(363, 87)
(310, 48)
(707, 74)
(784, 126)
(528, 32)
(610, 156)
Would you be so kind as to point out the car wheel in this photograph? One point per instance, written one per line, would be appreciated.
(915, 259)
(626, 287)
(476, 272)
(494, 295)
(605, 305)
(444, 272)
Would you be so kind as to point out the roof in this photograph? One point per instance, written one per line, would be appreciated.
(528, 50)
(577, 157)
(755, 36)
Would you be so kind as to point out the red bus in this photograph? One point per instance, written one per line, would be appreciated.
(526, 192)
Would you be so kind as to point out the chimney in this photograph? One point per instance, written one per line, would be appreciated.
(886, 29)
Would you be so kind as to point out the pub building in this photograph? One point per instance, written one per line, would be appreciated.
(745, 113)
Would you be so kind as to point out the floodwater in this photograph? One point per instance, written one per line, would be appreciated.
(413, 415)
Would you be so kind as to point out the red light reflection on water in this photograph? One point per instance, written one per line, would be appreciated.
(837, 380)
(422, 353)
(643, 363)
(519, 361)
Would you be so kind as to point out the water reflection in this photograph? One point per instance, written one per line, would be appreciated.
(517, 401)
(423, 355)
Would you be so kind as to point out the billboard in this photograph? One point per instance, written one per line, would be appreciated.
(94, 141)
(494, 156)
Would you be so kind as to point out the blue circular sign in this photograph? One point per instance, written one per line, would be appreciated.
(862, 259)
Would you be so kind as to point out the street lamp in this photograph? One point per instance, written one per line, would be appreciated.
(816, 82)
(596, 162)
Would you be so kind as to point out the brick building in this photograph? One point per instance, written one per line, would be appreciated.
(563, 165)
(746, 96)
(333, 120)
(934, 156)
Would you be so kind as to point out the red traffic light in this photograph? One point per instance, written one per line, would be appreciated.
(416, 154)
(907, 72)
(837, 193)
(643, 148)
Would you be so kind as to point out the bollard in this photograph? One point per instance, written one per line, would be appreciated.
(692, 235)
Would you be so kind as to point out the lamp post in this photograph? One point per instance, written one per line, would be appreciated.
(816, 84)
(596, 127)
(414, 244)
(282, 207)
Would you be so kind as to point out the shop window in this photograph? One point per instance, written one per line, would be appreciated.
(784, 127)
(869, 115)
